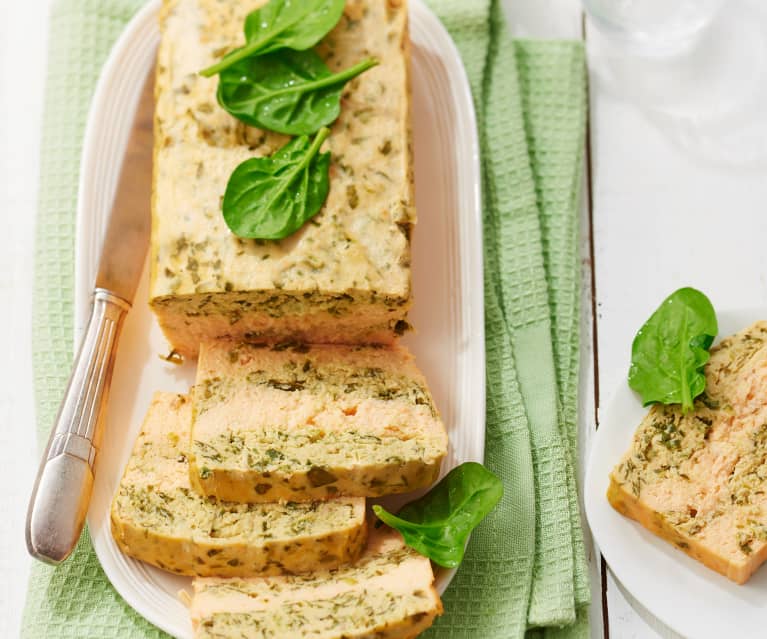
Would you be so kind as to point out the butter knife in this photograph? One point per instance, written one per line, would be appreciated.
(64, 483)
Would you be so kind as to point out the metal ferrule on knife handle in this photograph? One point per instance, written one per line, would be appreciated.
(65, 480)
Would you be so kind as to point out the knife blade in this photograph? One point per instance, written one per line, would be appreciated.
(127, 235)
(64, 483)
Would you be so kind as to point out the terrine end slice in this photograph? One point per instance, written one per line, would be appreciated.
(344, 276)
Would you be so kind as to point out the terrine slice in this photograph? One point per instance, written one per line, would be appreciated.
(157, 518)
(388, 594)
(700, 480)
(343, 277)
(300, 422)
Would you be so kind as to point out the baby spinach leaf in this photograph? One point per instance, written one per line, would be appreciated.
(671, 349)
(283, 24)
(438, 524)
(291, 92)
(272, 197)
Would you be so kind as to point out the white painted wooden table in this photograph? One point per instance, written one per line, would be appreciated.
(651, 213)
(23, 34)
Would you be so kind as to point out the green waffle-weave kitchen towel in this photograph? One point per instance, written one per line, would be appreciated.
(531, 104)
(526, 565)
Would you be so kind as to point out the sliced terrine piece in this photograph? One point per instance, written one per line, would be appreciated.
(699, 480)
(157, 518)
(343, 277)
(387, 594)
(300, 422)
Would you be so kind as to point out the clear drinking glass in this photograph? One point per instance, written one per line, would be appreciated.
(697, 68)
(653, 27)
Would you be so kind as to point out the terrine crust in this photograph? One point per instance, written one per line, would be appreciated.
(621, 498)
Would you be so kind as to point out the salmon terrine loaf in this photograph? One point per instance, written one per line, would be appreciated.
(342, 278)
(157, 518)
(300, 422)
(388, 593)
(700, 480)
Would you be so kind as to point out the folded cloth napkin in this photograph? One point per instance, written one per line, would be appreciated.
(525, 568)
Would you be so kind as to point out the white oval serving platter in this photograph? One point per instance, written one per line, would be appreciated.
(447, 280)
(685, 595)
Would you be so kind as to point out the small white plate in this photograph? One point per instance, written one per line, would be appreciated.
(689, 598)
(447, 280)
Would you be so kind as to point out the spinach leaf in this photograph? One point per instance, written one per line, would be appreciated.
(291, 92)
(272, 197)
(283, 24)
(671, 349)
(438, 524)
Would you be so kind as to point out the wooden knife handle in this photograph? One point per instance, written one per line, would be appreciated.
(64, 481)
